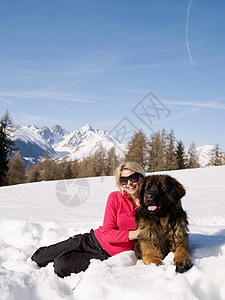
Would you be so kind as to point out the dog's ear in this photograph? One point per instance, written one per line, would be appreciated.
(142, 191)
(177, 188)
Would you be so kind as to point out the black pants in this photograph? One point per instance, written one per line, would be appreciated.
(72, 255)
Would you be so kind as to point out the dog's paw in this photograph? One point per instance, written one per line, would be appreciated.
(183, 266)
(151, 260)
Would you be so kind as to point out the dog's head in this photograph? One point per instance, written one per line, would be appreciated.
(160, 194)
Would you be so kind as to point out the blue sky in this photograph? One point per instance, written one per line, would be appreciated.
(72, 62)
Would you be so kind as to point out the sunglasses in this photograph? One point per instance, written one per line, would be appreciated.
(133, 178)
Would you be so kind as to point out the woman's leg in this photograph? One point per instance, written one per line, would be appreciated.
(86, 242)
(75, 262)
(45, 255)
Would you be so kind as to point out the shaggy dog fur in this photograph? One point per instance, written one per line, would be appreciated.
(163, 222)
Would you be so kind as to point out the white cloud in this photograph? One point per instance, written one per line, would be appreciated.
(211, 104)
(44, 94)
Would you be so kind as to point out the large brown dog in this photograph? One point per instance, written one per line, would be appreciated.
(163, 222)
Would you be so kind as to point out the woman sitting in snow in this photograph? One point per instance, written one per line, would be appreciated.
(116, 235)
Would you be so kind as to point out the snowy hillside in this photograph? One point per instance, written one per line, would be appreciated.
(33, 142)
(38, 214)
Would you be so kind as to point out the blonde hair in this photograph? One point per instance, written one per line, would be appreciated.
(132, 166)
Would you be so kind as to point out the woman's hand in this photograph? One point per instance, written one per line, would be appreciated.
(133, 235)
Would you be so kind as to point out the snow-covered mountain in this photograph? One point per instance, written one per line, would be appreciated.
(85, 141)
(32, 142)
(203, 153)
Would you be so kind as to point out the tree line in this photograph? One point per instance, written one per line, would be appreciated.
(101, 163)
(162, 151)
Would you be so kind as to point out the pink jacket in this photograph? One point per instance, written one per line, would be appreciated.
(119, 219)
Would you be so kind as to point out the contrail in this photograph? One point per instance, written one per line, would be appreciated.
(187, 43)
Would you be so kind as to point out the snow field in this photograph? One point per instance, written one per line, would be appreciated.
(31, 216)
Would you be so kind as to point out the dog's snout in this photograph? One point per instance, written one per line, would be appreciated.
(150, 196)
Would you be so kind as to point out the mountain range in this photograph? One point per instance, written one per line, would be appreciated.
(32, 143)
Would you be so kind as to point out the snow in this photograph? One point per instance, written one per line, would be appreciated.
(38, 214)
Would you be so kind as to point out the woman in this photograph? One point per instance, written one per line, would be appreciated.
(116, 235)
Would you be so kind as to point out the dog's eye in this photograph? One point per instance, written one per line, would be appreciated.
(163, 188)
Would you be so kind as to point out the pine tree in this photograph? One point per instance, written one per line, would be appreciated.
(112, 162)
(137, 149)
(50, 168)
(87, 167)
(65, 169)
(3, 156)
(7, 146)
(16, 172)
(181, 156)
(170, 152)
(99, 158)
(216, 156)
(193, 157)
(75, 165)
(164, 148)
(155, 153)
(33, 173)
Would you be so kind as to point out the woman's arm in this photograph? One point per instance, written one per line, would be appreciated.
(110, 231)
(133, 235)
